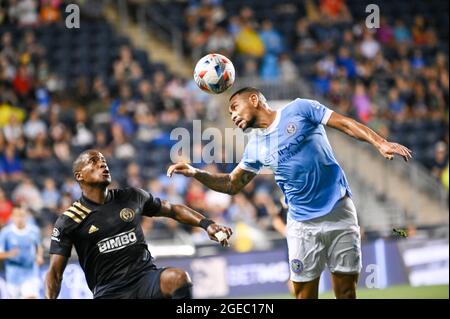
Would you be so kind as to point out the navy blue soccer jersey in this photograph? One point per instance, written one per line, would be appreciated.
(108, 238)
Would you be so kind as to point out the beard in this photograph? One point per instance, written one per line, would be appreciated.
(250, 124)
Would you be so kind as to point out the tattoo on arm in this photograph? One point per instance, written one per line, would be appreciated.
(225, 183)
(218, 182)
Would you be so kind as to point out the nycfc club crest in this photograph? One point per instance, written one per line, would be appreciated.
(291, 128)
(296, 266)
(127, 214)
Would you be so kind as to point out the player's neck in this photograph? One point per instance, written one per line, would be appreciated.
(266, 118)
(96, 195)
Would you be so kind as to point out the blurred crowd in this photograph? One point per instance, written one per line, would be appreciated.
(47, 119)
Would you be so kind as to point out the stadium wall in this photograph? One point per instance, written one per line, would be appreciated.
(262, 273)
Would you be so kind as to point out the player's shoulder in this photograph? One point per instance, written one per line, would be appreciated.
(33, 228)
(130, 193)
(302, 106)
(74, 214)
(302, 102)
(6, 229)
(291, 108)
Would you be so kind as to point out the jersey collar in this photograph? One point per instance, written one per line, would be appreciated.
(92, 205)
(274, 124)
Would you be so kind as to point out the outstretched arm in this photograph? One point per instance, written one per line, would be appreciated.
(188, 216)
(225, 183)
(363, 133)
(9, 254)
(54, 276)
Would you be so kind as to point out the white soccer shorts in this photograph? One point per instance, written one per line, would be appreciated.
(332, 240)
(28, 289)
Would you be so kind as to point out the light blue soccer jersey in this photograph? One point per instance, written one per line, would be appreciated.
(22, 266)
(296, 148)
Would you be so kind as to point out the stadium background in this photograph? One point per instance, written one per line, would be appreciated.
(123, 81)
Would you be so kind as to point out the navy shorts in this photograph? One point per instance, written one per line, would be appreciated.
(146, 286)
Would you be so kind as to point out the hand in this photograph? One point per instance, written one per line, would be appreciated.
(213, 229)
(181, 168)
(388, 149)
(13, 252)
(39, 260)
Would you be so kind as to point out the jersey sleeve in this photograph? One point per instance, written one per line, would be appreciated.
(250, 160)
(314, 111)
(2, 241)
(61, 239)
(37, 235)
(150, 205)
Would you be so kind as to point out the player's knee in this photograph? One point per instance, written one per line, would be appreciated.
(346, 293)
(181, 278)
(175, 278)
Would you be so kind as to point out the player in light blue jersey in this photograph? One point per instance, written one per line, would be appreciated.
(322, 227)
(20, 248)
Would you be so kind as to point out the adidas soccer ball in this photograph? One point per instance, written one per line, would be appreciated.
(214, 73)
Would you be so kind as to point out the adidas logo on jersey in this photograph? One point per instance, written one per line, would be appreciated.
(117, 242)
(92, 229)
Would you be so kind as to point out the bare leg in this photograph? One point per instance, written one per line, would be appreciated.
(307, 290)
(344, 285)
(175, 283)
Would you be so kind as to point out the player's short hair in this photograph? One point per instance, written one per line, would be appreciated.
(247, 89)
(77, 162)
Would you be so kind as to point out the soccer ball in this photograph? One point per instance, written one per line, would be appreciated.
(214, 73)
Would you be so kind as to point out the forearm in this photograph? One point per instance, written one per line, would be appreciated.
(218, 182)
(185, 215)
(4, 255)
(52, 285)
(362, 133)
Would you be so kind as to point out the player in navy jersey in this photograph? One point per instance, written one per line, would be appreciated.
(104, 227)
(322, 227)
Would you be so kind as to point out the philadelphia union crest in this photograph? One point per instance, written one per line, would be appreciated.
(127, 214)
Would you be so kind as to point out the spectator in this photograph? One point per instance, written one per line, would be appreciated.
(243, 210)
(362, 103)
(27, 12)
(83, 137)
(269, 68)
(440, 160)
(345, 60)
(288, 70)
(133, 175)
(248, 42)
(369, 46)
(50, 11)
(50, 195)
(38, 149)
(34, 126)
(273, 42)
(11, 164)
(401, 32)
(221, 42)
(6, 207)
(385, 33)
(27, 194)
(72, 188)
(13, 130)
